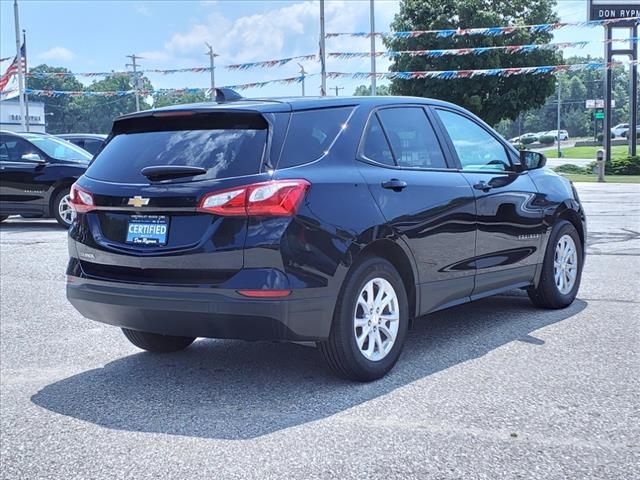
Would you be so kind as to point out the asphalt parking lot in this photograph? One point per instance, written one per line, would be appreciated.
(495, 389)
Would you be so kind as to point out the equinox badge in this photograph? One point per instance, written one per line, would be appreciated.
(138, 201)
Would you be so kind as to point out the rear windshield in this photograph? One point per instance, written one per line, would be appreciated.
(224, 150)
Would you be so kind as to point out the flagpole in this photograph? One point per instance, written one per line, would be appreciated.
(23, 117)
(26, 97)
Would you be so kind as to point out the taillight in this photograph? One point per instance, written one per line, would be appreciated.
(81, 200)
(277, 198)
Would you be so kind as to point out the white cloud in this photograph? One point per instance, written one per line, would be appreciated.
(289, 30)
(57, 53)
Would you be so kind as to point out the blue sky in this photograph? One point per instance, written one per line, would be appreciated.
(96, 36)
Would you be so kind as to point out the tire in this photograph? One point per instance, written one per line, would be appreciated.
(341, 351)
(62, 196)
(152, 342)
(548, 294)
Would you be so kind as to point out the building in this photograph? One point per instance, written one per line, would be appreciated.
(10, 118)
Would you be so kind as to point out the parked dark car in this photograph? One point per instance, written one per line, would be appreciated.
(36, 173)
(329, 220)
(91, 142)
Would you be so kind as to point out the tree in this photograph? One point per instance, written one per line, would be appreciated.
(96, 113)
(365, 90)
(178, 99)
(60, 115)
(492, 98)
(576, 88)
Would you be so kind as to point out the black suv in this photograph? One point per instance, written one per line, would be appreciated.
(328, 220)
(36, 173)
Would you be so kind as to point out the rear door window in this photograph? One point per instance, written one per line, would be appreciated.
(412, 138)
(375, 146)
(311, 133)
(225, 149)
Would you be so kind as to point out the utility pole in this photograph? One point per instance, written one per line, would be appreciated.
(212, 57)
(23, 116)
(338, 88)
(558, 126)
(373, 48)
(134, 65)
(303, 74)
(323, 63)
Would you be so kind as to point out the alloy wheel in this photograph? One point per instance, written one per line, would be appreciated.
(376, 319)
(64, 209)
(565, 264)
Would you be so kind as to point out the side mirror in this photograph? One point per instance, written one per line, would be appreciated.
(32, 157)
(532, 160)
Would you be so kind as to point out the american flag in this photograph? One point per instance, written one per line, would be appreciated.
(13, 68)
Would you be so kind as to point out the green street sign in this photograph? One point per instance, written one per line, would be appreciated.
(599, 115)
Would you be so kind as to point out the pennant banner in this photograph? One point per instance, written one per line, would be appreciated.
(491, 72)
(239, 66)
(162, 91)
(487, 31)
(437, 74)
(269, 63)
(115, 74)
(510, 49)
(80, 93)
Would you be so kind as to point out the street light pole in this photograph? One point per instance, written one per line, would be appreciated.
(558, 126)
(303, 75)
(323, 63)
(212, 66)
(373, 48)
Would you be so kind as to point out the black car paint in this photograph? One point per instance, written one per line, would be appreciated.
(451, 242)
(29, 188)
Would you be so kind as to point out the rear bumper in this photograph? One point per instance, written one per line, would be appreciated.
(192, 312)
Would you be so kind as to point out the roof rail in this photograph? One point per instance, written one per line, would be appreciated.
(224, 95)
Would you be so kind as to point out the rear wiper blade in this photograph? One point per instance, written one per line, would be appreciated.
(163, 172)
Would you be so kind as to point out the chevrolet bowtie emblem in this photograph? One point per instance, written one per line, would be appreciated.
(138, 201)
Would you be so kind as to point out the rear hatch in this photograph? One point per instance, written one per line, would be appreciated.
(146, 184)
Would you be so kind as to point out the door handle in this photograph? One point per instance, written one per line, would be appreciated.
(394, 184)
(482, 185)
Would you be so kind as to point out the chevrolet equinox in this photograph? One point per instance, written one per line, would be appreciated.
(329, 220)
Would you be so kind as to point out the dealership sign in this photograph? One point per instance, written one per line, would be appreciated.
(605, 9)
(598, 103)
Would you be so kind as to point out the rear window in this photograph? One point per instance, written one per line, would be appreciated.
(311, 133)
(225, 150)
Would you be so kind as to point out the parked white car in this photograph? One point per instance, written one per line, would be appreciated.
(619, 129)
(564, 135)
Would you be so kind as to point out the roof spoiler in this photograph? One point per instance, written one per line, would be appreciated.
(224, 95)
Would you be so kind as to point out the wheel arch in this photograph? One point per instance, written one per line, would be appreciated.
(401, 258)
(53, 192)
(572, 216)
